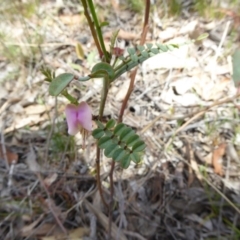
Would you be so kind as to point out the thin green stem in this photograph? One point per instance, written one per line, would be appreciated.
(101, 110)
(91, 25)
(98, 29)
(69, 97)
(103, 96)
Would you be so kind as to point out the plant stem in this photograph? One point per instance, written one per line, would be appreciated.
(134, 72)
(131, 85)
(99, 184)
(69, 97)
(91, 25)
(101, 110)
(104, 96)
(98, 29)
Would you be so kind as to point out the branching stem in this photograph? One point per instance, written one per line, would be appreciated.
(92, 28)
(98, 29)
(124, 104)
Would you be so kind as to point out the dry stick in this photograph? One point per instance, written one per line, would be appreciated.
(213, 187)
(197, 114)
(51, 130)
(171, 117)
(49, 205)
(99, 184)
(124, 104)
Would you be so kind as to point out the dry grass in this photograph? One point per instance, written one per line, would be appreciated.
(184, 107)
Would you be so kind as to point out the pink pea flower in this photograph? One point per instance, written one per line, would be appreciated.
(79, 119)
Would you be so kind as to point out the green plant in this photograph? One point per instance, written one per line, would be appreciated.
(119, 142)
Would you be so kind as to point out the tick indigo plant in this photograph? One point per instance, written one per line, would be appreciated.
(117, 141)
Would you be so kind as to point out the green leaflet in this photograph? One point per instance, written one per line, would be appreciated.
(59, 83)
(102, 69)
(119, 142)
(135, 58)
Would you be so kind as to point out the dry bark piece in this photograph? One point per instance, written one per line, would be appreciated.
(217, 158)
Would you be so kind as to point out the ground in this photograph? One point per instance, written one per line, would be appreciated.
(184, 106)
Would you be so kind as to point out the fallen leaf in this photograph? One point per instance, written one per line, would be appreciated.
(217, 159)
(79, 51)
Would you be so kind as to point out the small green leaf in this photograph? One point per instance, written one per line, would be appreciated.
(113, 40)
(59, 83)
(108, 133)
(155, 50)
(100, 125)
(119, 154)
(118, 129)
(126, 133)
(139, 146)
(104, 142)
(145, 54)
(132, 140)
(125, 162)
(48, 74)
(101, 70)
(135, 157)
(97, 133)
(131, 51)
(109, 150)
(140, 48)
(134, 57)
(110, 124)
(163, 48)
(172, 47)
(202, 36)
(115, 139)
(103, 24)
(149, 45)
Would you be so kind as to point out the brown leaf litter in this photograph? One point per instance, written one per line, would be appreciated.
(187, 185)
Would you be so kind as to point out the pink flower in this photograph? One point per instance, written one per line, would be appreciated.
(79, 118)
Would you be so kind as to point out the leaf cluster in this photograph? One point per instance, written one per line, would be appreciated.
(102, 69)
(119, 142)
